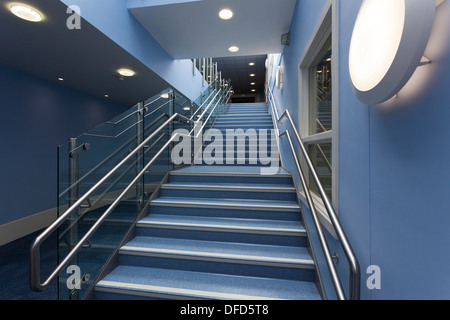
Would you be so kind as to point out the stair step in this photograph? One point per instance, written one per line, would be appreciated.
(231, 187)
(229, 191)
(227, 208)
(270, 232)
(128, 282)
(241, 259)
(245, 204)
(228, 174)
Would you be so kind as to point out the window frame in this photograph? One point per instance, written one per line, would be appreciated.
(327, 25)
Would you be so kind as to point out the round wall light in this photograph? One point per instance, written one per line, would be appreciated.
(26, 12)
(388, 41)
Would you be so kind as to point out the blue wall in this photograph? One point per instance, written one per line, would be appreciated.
(37, 116)
(394, 174)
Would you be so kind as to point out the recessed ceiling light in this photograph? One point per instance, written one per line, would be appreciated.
(126, 72)
(253, 90)
(60, 79)
(252, 74)
(233, 49)
(253, 83)
(106, 96)
(226, 14)
(26, 13)
(251, 64)
(186, 108)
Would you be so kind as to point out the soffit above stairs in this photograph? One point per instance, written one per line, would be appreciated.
(192, 29)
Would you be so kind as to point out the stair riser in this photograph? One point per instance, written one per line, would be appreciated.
(204, 193)
(243, 122)
(212, 162)
(236, 237)
(232, 179)
(207, 265)
(226, 212)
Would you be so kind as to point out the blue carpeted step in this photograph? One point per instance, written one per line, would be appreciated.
(229, 191)
(270, 232)
(224, 174)
(242, 259)
(128, 282)
(232, 208)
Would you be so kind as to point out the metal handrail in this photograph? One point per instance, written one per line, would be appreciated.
(35, 281)
(354, 279)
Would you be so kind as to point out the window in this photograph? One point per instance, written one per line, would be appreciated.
(320, 117)
(318, 105)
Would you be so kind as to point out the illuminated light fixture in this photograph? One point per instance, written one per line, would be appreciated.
(233, 49)
(388, 42)
(226, 14)
(252, 74)
(253, 90)
(165, 95)
(186, 108)
(251, 64)
(60, 79)
(106, 96)
(252, 84)
(126, 72)
(26, 12)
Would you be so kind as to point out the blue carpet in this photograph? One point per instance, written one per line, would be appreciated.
(15, 269)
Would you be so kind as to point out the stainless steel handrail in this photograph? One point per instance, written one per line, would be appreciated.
(35, 281)
(354, 279)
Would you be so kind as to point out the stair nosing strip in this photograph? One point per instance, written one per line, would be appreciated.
(230, 174)
(147, 290)
(223, 228)
(218, 257)
(224, 188)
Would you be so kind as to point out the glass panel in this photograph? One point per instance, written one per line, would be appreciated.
(320, 105)
(85, 160)
(321, 157)
(82, 162)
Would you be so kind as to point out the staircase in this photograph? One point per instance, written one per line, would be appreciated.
(221, 231)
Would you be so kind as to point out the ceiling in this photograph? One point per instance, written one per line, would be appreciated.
(86, 59)
(238, 70)
(190, 29)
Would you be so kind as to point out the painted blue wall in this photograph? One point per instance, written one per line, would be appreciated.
(37, 116)
(394, 174)
(116, 22)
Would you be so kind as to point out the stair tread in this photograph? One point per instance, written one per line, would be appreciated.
(229, 186)
(246, 253)
(223, 170)
(237, 203)
(248, 225)
(204, 285)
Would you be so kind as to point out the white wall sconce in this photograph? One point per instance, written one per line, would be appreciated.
(279, 78)
(388, 42)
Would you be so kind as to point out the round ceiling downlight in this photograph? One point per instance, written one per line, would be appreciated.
(126, 72)
(388, 42)
(26, 13)
(226, 14)
(233, 49)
